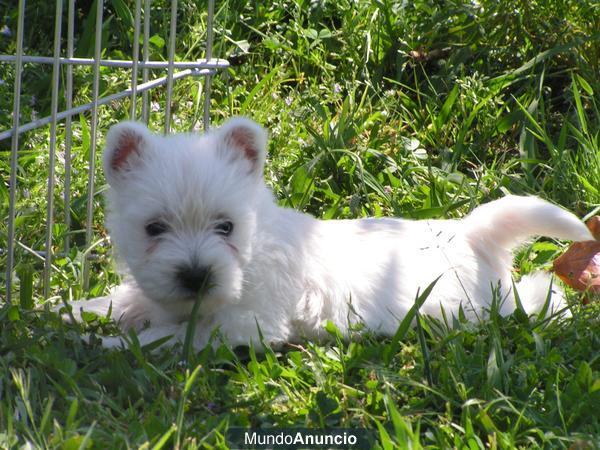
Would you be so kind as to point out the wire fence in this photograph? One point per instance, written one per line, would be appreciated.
(62, 62)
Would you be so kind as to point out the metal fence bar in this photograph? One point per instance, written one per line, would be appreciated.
(52, 149)
(136, 56)
(93, 141)
(208, 78)
(171, 65)
(68, 122)
(144, 87)
(211, 63)
(175, 70)
(14, 152)
(145, 110)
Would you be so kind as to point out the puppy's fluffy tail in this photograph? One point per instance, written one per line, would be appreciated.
(510, 221)
(535, 288)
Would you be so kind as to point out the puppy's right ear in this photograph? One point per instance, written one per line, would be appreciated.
(125, 144)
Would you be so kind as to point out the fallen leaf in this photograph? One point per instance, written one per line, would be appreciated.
(594, 226)
(579, 266)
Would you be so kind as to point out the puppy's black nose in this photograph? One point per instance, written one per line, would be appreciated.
(193, 278)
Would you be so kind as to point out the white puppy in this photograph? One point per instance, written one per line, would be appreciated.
(187, 210)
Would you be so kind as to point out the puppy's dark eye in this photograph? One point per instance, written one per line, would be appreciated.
(224, 228)
(156, 228)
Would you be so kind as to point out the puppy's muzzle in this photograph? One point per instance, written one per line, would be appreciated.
(194, 278)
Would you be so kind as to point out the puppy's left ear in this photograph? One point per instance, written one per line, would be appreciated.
(243, 139)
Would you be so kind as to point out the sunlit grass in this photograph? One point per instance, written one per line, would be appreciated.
(374, 108)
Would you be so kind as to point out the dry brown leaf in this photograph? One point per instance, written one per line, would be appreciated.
(579, 266)
(594, 225)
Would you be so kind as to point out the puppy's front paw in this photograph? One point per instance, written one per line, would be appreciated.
(113, 342)
(116, 342)
(101, 306)
(128, 313)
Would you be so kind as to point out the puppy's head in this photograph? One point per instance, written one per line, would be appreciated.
(182, 208)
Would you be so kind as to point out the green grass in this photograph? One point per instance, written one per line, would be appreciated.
(420, 109)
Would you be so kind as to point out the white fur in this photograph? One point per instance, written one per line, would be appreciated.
(284, 270)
